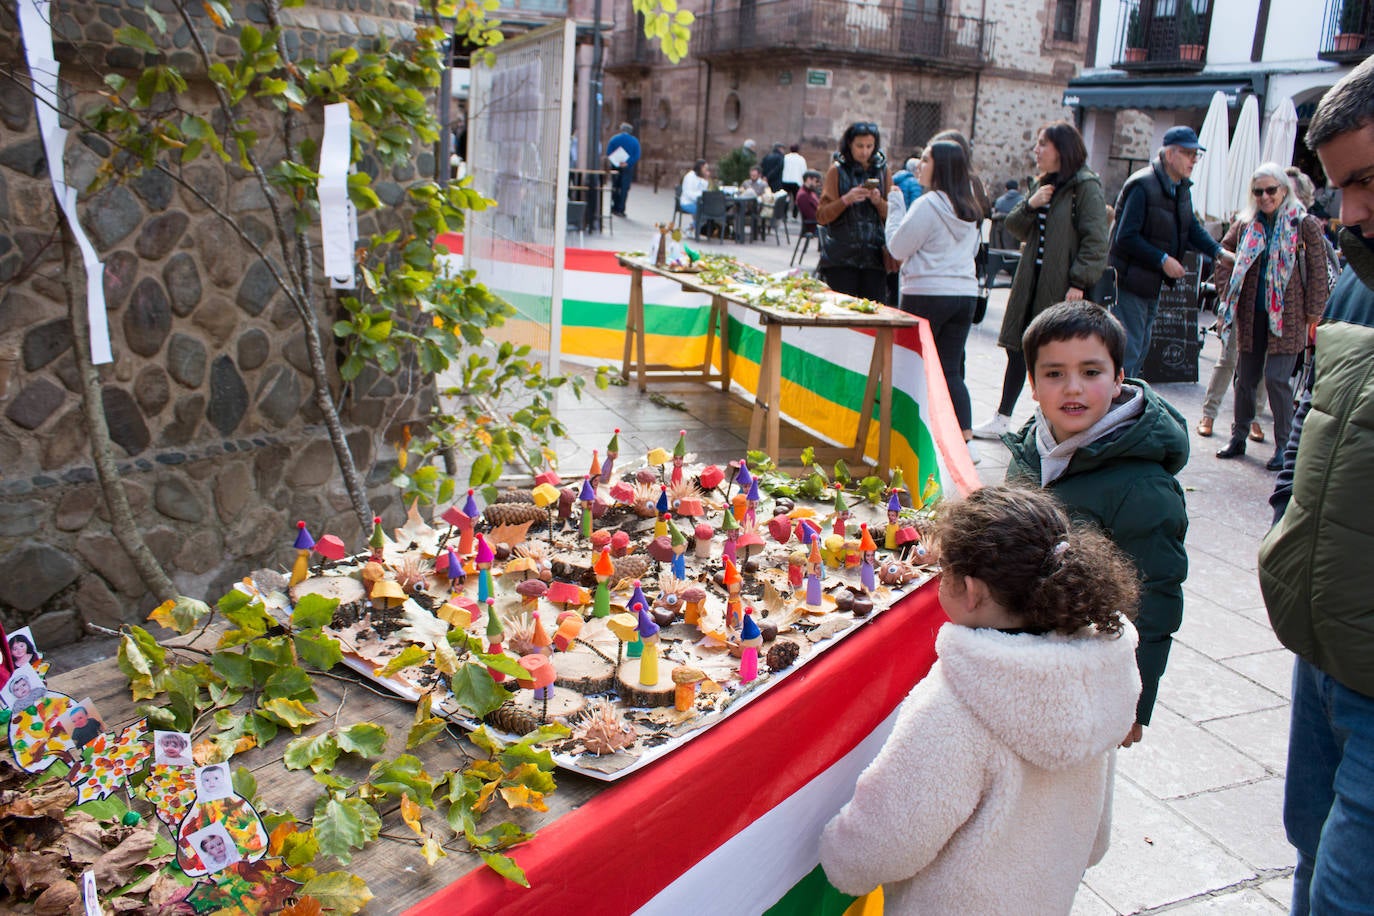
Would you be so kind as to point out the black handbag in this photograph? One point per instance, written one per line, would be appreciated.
(1104, 290)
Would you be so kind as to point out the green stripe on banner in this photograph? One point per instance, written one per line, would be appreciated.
(668, 320)
(531, 305)
(812, 895)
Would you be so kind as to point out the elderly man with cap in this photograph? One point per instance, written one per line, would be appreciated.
(1155, 226)
(623, 151)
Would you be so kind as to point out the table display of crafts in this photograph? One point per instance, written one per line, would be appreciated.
(642, 606)
(792, 291)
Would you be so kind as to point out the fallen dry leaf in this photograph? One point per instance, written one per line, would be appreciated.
(511, 535)
(47, 800)
(116, 867)
(81, 839)
(29, 872)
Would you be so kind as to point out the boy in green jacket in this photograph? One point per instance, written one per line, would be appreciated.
(1108, 449)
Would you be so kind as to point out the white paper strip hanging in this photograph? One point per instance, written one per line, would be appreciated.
(35, 26)
(338, 219)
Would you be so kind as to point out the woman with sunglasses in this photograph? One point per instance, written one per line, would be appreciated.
(1269, 300)
(853, 210)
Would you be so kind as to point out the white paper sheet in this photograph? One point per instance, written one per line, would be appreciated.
(35, 25)
(338, 219)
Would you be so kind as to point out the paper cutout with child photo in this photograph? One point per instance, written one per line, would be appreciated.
(213, 782)
(172, 749)
(82, 722)
(104, 765)
(215, 848)
(236, 815)
(24, 651)
(23, 689)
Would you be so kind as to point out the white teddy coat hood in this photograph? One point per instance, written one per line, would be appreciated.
(993, 793)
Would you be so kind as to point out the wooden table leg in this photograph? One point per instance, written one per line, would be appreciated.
(723, 316)
(883, 342)
(710, 338)
(774, 389)
(765, 398)
(875, 366)
(634, 318)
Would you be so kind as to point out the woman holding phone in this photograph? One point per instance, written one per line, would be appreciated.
(936, 240)
(853, 211)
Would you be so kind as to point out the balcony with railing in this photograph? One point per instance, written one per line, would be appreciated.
(1163, 35)
(1347, 31)
(914, 33)
(628, 49)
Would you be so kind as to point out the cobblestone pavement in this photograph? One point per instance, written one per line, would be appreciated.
(1197, 824)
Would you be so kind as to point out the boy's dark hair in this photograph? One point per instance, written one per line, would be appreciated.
(1347, 106)
(1055, 576)
(811, 173)
(1073, 321)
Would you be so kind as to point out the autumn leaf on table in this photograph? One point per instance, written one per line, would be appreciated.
(432, 850)
(410, 813)
(181, 614)
(339, 892)
(344, 824)
(408, 657)
(511, 535)
(245, 887)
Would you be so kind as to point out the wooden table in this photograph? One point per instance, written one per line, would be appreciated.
(590, 841)
(764, 425)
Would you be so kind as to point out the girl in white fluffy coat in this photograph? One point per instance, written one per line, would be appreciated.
(993, 793)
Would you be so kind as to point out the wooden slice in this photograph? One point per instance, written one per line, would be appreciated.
(584, 671)
(563, 705)
(633, 693)
(352, 597)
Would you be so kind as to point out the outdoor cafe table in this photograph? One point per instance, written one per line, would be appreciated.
(614, 847)
(764, 425)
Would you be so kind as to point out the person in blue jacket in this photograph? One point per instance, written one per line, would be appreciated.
(625, 171)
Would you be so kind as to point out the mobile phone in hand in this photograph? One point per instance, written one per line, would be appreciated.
(871, 183)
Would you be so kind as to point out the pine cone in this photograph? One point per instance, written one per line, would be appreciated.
(512, 495)
(498, 514)
(631, 567)
(512, 718)
(783, 654)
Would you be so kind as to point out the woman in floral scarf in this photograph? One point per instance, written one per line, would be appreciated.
(1270, 300)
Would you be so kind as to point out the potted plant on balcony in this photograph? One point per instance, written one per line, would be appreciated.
(1135, 38)
(1350, 34)
(1189, 32)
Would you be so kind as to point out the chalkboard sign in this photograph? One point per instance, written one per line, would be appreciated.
(1174, 346)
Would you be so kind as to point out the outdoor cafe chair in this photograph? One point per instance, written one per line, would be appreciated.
(710, 212)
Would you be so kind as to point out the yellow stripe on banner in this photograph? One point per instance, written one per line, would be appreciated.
(659, 349)
(870, 904)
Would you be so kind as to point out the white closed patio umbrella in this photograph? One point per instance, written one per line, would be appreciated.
(1209, 177)
(1280, 133)
(1244, 156)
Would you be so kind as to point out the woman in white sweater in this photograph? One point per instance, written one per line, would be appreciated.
(993, 793)
(936, 241)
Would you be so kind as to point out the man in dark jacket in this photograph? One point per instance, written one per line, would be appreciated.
(1155, 226)
(1314, 568)
(623, 152)
(771, 166)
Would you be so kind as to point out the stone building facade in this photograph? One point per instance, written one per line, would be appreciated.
(209, 398)
(800, 71)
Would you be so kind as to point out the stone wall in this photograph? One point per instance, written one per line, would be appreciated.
(209, 398)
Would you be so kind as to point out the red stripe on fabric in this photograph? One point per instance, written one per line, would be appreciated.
(613, 854)
(943, 424)
(589, 259)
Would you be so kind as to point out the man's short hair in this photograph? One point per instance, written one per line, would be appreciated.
(626, 127)
(1347, 106)
(811, 173)
(1013, 184)
(1074, 321)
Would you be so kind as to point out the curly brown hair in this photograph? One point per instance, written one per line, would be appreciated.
(1053, 574)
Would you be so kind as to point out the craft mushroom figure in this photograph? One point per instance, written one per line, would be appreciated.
(612, 453)
(868, 549)
(750, 639)
(603, 569)
(894, 508)
(546, 496)
(569, 628)
(300, 570)
(625, 628)
(484, 558)
(331, 547)
(750, 542)
(703, 533)
(530, 591)
(494, 634)
(539, 678)
(587, 497)
(694, 602)
(378, 540)
(679, 455)
(711, 477)
(648, 637)
(685, 693)
(387, 593)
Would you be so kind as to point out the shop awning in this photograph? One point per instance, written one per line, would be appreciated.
(1154, 94)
